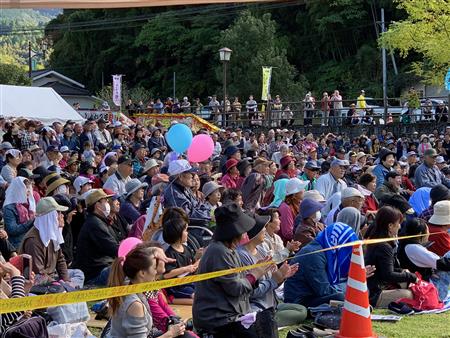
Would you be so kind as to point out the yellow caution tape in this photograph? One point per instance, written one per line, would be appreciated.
(57, 299)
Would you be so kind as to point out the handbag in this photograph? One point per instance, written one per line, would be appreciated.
(425, 296)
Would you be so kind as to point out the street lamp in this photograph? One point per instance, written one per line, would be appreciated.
(225, 55)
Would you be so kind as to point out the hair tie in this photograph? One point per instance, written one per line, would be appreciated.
(121, 260)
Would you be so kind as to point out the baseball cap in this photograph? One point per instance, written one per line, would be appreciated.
(440, 160)
(312, 165)
(64, 149)
(430, 152)
(180, 166)
(351, 192)
(96, 195)
(124, 159)
(337, 162)
(411, 153)
(52, 149)
(48, 204)
(79, 182)
(6, 146)
(360, 154)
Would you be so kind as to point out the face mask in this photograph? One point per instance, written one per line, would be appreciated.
(317, 216)
(106, 209)
(62, 189)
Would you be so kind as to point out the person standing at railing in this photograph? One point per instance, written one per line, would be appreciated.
(338, 111)
(325, 108)
(252, 107)
(361, 103)
(198, 106)
(236, 107)
(277, 109)
(308, 108)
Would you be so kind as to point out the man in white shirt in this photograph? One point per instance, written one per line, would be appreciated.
(116, 182)
(102, 134)
(333, 182)
(350, 197)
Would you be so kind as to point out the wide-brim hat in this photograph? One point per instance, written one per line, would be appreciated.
(441, 215)
(284, 161)
(261, 222)
(54, 182)
(93, 196)
(151, 163)
(231, 222)
(134, 185)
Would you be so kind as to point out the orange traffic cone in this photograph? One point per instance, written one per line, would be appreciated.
(356, 322)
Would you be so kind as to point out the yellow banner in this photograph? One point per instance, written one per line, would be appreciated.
(57, 299)
(192, 121)
(266, 78)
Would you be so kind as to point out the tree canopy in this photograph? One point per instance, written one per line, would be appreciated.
(426, 31)
(316, 45)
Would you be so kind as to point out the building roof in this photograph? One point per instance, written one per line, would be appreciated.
(38, 74)
(64, 90)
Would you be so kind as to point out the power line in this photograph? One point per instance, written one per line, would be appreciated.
(182, 14)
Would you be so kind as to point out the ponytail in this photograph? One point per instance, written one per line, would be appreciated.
(140, 258)
(116, 278)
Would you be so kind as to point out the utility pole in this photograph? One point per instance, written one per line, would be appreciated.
(30, 66)
(383, 55)
(174, 84)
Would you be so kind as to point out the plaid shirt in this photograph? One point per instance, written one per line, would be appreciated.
(427, 213)
(26, 140)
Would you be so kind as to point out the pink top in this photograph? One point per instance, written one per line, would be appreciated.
(229, 181)
(287, 222)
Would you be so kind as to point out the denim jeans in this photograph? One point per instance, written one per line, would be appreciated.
(101, 279)
(441, 280)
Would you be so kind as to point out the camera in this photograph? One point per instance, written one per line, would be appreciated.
(173, 320)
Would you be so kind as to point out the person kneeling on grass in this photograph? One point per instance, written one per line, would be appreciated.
(174, 224)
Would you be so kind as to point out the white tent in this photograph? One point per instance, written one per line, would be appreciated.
(42, 104)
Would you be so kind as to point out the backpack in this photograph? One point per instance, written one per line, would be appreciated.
(27, 328)
(425, 296)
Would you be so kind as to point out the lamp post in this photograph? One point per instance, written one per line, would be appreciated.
(225, 55)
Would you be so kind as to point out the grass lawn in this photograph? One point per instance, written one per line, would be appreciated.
(420, 326)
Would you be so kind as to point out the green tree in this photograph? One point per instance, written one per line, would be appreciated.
(255, 44)
(426, 30)
(11, 74)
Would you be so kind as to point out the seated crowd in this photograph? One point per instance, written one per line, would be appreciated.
(72, 193)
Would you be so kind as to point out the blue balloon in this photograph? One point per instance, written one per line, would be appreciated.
(179, 137)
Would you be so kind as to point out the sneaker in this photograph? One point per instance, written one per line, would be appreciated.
(400, 308)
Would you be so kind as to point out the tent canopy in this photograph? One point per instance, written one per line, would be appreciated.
(108, 3)
(36, 103)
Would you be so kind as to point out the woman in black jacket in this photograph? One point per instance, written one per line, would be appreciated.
(384, 286)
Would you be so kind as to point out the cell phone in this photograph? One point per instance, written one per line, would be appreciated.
(27, 262)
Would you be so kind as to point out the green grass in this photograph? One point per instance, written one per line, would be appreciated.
(420, 326)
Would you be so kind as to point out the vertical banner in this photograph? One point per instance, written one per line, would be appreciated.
(117, 90)
(266, 77)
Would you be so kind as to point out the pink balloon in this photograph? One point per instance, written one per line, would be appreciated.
(127, 245)
(201, 148)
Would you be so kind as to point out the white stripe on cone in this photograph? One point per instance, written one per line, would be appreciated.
(356, 284)
(356, 309)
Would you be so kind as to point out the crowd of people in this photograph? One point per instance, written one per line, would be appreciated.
(330, 110)
(72, 193)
